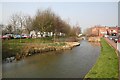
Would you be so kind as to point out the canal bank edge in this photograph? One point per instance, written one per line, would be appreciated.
(31, 50)
(93, 71)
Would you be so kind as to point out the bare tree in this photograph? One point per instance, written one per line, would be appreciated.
(21, 22)
(14, 22)
(17, 21)
(28, 23)
(9, 29)
(44, 21)
(88, 31)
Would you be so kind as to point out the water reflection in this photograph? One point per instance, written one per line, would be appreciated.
(95, 43)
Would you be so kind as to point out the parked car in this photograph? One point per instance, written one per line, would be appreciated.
(5, 37)
(114, 34)
(17, 36)
(115, 39)
(111, 37)
(119, 39)
(11, 36)
(26, 36)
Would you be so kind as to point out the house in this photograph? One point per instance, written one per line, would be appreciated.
(39, 34)
(33, 34)
(113, 30)
(103, 30)
(99, 31)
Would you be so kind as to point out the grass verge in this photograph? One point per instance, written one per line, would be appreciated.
(107, 63)
(14, 46)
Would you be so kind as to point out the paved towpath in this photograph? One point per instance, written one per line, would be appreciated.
(112, 43)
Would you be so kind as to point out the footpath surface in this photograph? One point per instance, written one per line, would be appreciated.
(114, 45)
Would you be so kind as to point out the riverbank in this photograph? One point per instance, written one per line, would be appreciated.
(94, 39)
(107, 63)
(15, 50)
(32, 49)
(73, 63)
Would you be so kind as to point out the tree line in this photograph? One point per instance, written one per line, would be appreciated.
(43, 21)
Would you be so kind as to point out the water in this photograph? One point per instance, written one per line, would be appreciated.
(73, 63)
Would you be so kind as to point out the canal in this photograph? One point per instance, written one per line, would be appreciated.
(73, 63)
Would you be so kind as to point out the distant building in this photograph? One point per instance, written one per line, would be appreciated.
(33, 34)
(112, 30)
(38, 34)
(99, 31)
(103, 30)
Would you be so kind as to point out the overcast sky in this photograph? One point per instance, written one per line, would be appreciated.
(86, 14)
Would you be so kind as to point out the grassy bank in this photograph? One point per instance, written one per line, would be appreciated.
(106, 65)
(24, 47)
(17, 46)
